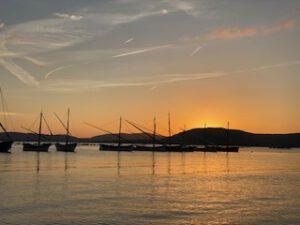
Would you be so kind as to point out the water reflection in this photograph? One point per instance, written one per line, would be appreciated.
(38, 162)
(93, 187)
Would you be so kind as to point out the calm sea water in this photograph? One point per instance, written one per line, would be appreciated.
(254, 186)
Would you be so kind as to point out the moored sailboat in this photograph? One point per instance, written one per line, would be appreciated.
(154, 147)
(114, 147)
(119, 146)
(39, 146)
(67, 147)
(228, 148)
(5, 146)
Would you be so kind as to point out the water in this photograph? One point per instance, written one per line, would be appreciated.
(254, 186)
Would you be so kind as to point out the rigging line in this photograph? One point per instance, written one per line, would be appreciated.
(3, 106)
(33, 132)
(106, 131)
(61, 122)
(149, 130)
(34, 122)
(6, 110)
(5, 131)
(48, 127)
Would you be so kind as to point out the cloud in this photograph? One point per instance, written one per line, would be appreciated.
(2, 24)
(152, 82)
(128, 41)
(18, 72)
(8, 113)
(141, 51)
(26, 40)
(197, 50)
(235, 32)
(183, 5)
(57, 69)
(68, 16)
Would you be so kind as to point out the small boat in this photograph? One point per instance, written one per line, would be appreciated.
(27, 147)
(67, 147)
(176, 147)
(144, 148)
(154, 147)
(114, 147)
(228, 148)
(123, 148)
(5, 146)
(207, 148)
(38, 147)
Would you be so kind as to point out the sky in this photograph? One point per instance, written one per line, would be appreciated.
(204, 61)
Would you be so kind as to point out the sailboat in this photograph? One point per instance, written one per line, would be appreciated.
(228, 148)
(207, 147)
(154, 147)
(174, 147)
(120, 146)
(113, 147)
(5, 146)
(67, 147)
(39, 146)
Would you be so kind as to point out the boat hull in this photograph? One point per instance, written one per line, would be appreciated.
(5, 146)
(65, 147)
(36, 148)
(179, 148)
(123, 148)
(207, 149)
(143, 148)
(229, 149)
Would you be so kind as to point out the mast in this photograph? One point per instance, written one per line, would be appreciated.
(68, 127)
(169, 125)
(5, 131)
(204, 139)
(119, 136)
(154, 131)
(227, 135)
(40, 128)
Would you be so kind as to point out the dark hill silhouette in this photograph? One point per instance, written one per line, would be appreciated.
(236, 137)
(193, 136)
(135, 138)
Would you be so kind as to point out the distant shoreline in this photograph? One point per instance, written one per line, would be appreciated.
(197, 136)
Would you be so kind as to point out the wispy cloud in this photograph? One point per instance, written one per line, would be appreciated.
(142, 51)
(128, 41)
(235, 32)
(26, 40)
(68, 16)
(18, 72)
(183, 5)
(57, 69)
(8, 113)
(2, 24)
(153, 81)
(196, 50)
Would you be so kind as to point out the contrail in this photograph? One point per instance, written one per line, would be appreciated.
(18, 72)
(57, 69)
(197, 50)
(129, 40)
(141, 51)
